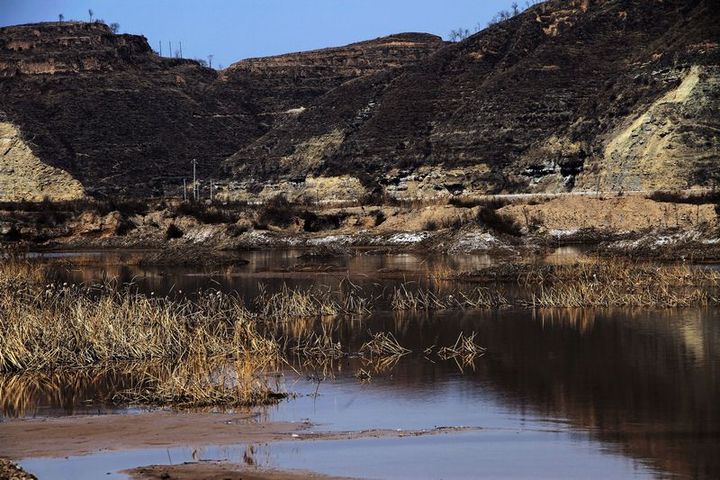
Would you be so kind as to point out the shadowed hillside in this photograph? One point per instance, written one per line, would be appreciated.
(125, 121)
(611, 94)
(569, 95)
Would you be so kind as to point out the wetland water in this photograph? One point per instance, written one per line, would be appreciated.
(559, 393)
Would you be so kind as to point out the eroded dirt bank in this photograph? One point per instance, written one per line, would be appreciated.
(653, 225)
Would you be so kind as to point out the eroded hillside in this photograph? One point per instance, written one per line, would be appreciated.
(569, 95)
(127, 122)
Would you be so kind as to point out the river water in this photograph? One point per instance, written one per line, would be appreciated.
(559, 393)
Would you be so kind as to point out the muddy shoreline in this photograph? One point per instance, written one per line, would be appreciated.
(82, 435)
(220, 471)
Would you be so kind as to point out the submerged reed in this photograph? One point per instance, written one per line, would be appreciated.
(464, 347)
(383, 344)
(45, 326)
(204, 382)
(76, 326)
(288, 304)
(423, 299)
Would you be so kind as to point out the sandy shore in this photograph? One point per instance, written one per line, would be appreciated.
(80, 435)
(219, 471)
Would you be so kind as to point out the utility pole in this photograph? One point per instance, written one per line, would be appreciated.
(181, 56)
(184, 191)
(160, 47)
(194, 162)
(210, 57)
(211, 197)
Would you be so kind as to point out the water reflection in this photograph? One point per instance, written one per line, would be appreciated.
(292, 267)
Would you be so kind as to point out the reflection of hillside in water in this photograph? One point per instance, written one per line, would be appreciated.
(644, 383)
(647, 383)
(294, 267)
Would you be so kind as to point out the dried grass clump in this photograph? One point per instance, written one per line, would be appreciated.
(202, 382)
(16, 270)
(415, 300)
(288, 304)
(383, 344)
(620, 283)
(352, 302)
(424, 299)
(464, 347)
(318, 347)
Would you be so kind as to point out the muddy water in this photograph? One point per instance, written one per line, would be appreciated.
(559, 394)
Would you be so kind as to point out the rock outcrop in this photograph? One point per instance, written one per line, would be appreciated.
(24, 177)
(112, 113)
(289, 84)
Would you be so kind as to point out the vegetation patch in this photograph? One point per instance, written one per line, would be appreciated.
(606, 283)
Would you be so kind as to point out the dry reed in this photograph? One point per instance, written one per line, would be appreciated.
(619, 283)
(318, 346)
(424, 299)
(289, 304)
(464, 346)
(46, 326)
(204, 382)
(383, 344)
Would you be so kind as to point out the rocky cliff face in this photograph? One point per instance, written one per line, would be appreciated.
(123, 121)
(571, 94)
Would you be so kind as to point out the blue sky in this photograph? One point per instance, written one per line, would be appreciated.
(233, 30)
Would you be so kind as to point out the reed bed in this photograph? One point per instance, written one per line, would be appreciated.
(200, 382)
(288, 304)
(602, 283)
(352, 300)
(619, 283)
(50, 326)
(47, 325)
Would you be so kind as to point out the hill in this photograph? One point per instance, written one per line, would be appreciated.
(123, 121)
(570, 95)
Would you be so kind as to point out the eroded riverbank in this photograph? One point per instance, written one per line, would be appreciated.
(659, 225)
